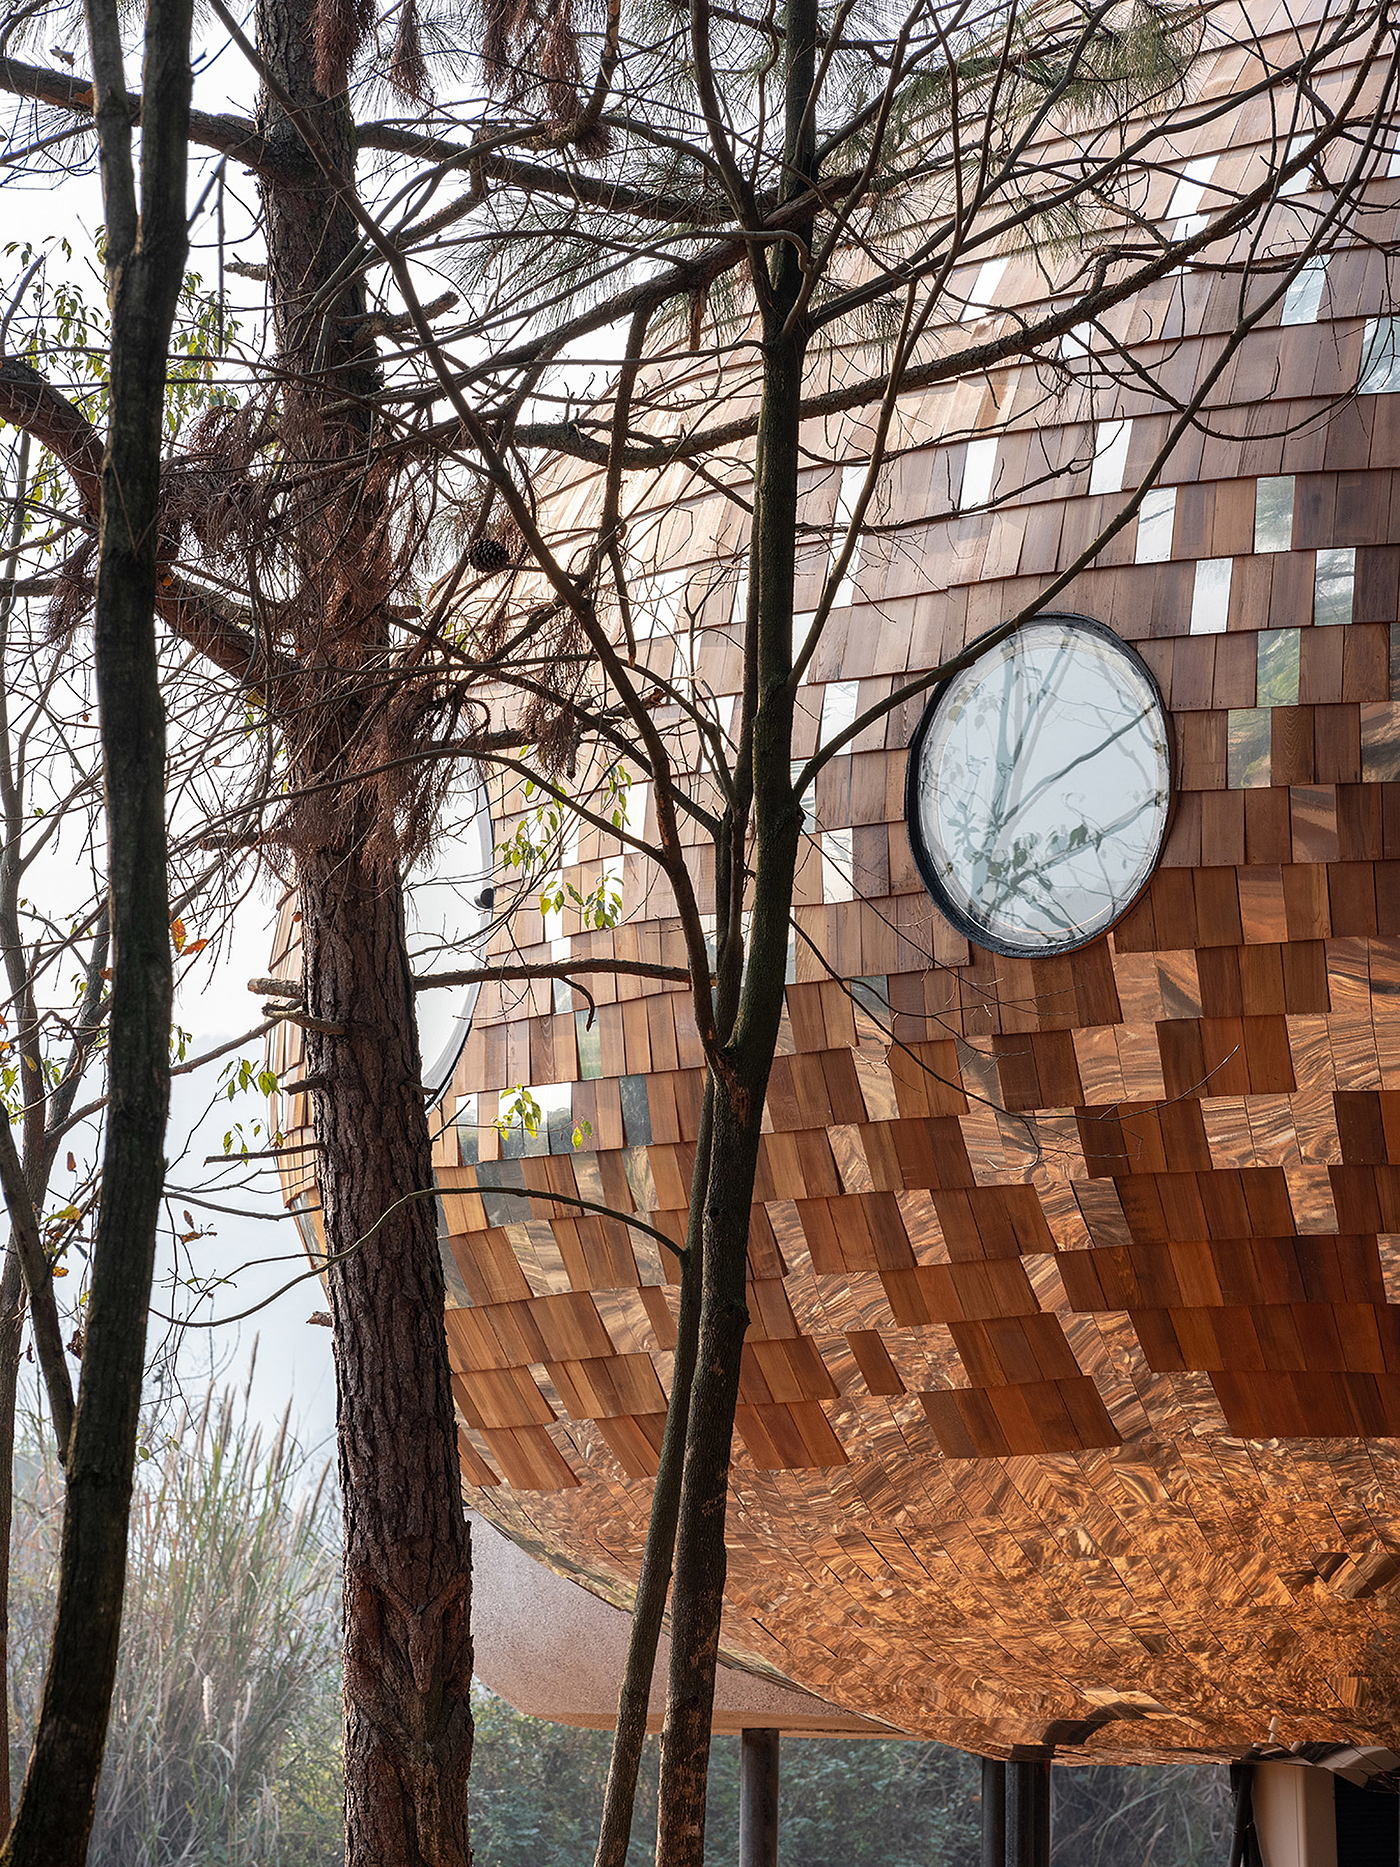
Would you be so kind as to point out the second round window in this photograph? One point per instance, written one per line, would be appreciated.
(1039, 787)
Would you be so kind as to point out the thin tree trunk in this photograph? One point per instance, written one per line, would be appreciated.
(653, 1585)
(12, 1280)
(145, 266)
(698, 1596)
(11, 1335)
(28, 1179)
(701, 1563)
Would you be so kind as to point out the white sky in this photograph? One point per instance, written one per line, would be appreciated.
(293, 1361)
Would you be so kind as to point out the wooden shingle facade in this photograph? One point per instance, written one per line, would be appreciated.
(1070, 1409)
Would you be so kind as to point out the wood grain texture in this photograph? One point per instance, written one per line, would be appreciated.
(1073, 1373)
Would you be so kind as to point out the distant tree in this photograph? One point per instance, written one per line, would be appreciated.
(224, 1737)
(537, 1790)
(1141, 1815)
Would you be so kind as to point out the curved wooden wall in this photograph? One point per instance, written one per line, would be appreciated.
(1071, 1394)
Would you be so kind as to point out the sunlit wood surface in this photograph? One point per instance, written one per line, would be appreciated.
(1072, 1389)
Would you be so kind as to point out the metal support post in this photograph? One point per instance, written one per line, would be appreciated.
(1030, 1813)
(993, 1813)
(758, 1799)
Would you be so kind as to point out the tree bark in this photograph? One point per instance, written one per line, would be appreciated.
(653, 1585)
(701, 1564)
(407, 1589)
(146, 259)
(408, 1654)
(11, 1335)
(698, 1594)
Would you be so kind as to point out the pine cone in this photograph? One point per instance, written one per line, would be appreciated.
(488, 555)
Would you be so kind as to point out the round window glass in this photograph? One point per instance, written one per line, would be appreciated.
(1038, 788)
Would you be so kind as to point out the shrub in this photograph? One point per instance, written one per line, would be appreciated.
(229, 1658)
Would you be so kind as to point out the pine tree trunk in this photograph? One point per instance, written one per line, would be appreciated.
(408, 1729)
(408, 1655)
(698, 1595)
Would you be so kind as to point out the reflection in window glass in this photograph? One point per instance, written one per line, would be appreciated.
(870, 1003)
(656, 604)
(1111, 440)
(1156, 523)
(1248, 747)
(563, 991)
(848, 492)
(636, 1113)
(838, 861)
(307, 1214)
(634, 809)
(641, 1181)
(801, 623)
(590, 1047)
(1186, 196)
(1332, 588)
(981, 296)
(449, 898)
(687, 653)
(1303, 180)
(612, 881)
(1078, 341)
(501, 1208)
(1303, 299)
(558, 1124)
(1210, 597)
(1278, 665)
(1273, 513)
(1380, 358)
(468, 1135)
(853, 477)
(977, 474)
(840, 704)
(1380, 745)
(1038, 787)
(739, 608)
(554, 1126)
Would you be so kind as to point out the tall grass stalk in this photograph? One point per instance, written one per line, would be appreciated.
(230, 1641)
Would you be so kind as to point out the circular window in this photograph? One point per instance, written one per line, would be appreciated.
(1039, 785)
